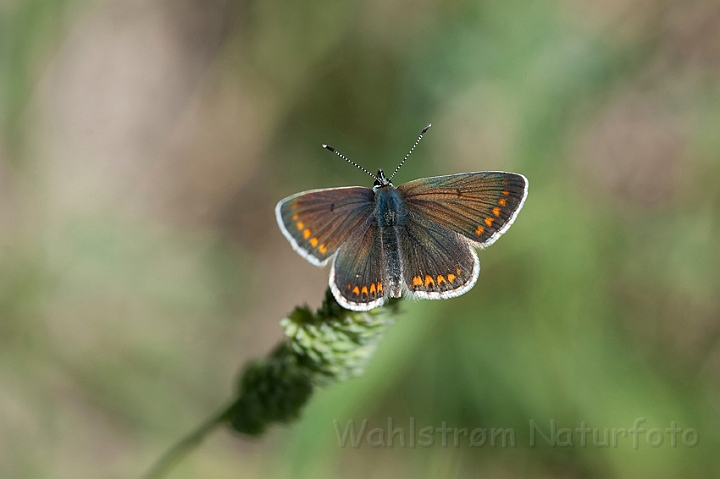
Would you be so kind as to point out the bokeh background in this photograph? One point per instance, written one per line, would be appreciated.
(144, 144)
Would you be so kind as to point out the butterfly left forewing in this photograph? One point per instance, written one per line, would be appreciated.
(480, 206)
(317, 222)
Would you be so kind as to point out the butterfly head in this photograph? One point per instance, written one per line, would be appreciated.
(381, 181)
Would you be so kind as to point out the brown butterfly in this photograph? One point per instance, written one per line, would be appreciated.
(416, 239)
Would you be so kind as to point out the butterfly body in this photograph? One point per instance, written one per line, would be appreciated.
(390, 215)
(417, 239)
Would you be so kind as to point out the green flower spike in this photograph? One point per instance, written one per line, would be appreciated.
(331, 345)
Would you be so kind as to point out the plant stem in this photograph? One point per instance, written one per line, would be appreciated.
(321, 348)
(187, 444)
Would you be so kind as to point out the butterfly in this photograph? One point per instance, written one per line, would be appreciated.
(417, 239)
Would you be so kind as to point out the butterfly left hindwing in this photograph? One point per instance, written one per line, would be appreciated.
(357, 277)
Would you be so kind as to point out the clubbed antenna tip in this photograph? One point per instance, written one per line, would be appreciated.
(411, 150)
(330, 148)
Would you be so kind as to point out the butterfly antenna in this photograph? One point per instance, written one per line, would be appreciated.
(411, 150)
(328, 147)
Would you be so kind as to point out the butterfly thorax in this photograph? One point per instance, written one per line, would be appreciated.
(389, 208)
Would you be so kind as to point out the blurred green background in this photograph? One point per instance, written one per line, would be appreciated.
(144, 144)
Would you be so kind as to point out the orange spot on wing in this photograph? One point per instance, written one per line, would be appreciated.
(364, 290)
(506, 192)
(489, 221)
(372, 289)
(441, 280)
(322, 249)
(314, 242)
(356, 291)
(496, 211)
(429, 281)
(451, 277)
(295, 217)
(480, 230)
(417, 281)
(379, 288)
(458, 271)
(349, 287)
(300, 225)
(502, 201)
(306, 233)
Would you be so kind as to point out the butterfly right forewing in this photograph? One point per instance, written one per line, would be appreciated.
(480, 206)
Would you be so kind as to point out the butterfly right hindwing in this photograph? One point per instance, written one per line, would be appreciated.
(436, 261)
